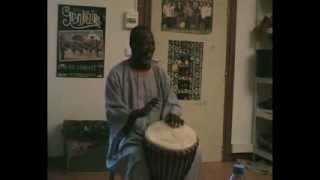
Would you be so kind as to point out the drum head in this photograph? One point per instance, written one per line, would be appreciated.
(161, 134)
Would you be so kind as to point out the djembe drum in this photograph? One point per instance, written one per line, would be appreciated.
(169, 151)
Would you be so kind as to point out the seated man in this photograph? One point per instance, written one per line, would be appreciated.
(138, 93)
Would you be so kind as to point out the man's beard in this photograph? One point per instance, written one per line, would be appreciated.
(142, 62)
(145, 63)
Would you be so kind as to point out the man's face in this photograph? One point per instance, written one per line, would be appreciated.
(143, 49)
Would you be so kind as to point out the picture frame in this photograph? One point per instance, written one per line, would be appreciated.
(187, 16)
(81, 41)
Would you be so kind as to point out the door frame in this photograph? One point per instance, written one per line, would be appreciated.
(144, 9)
(227, 154)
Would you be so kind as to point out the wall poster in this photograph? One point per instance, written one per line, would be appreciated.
(81, 41)
(185, 68)
(193, 16)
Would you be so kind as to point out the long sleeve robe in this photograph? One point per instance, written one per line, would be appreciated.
(126, 90)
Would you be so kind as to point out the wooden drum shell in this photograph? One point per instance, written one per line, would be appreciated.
(165, 164)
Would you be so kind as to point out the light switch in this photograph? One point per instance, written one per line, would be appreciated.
(131, 19)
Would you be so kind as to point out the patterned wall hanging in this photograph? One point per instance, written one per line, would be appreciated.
(185, 68)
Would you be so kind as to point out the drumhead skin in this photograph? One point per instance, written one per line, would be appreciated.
(161, 134)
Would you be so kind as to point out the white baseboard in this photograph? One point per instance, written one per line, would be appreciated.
(242, 148)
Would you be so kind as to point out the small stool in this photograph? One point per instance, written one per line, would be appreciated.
(111, 175)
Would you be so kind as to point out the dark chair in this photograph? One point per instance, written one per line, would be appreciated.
(89, 136)
(88, 130)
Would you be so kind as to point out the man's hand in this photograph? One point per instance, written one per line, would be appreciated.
(148, 107)
(140, 113)
(174, 121)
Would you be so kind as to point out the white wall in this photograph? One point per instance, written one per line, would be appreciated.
(77, 98)
(82, 98)
(205, 116)
(244, 75)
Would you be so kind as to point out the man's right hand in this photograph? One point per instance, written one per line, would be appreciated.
(140, 113)
(148, 107)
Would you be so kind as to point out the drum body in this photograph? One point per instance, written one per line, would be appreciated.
(170, 155)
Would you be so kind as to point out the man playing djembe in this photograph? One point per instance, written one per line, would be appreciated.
(138, 93)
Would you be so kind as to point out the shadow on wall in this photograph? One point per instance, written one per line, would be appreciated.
(252, 64)
(55, 141)
(253, 39)
(251, 73)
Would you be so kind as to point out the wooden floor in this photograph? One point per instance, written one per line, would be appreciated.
(209, 171)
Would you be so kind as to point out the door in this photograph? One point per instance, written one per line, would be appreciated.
(211, 116)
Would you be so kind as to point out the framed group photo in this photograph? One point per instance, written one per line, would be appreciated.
(193, 16)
